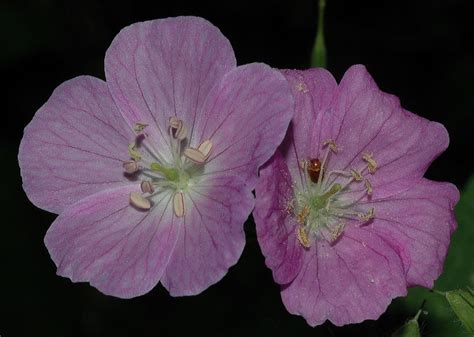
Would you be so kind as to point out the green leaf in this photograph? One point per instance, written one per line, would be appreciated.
(318, 57)
(462, 303)
(410, 329)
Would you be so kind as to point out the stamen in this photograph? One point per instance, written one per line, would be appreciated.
(303, 215)
(137, 200)
(178, 204)
(337, 231)
(147, 186)
(205, 148)
(133, 152)
(367, 216)
(357, 175)
(130, 166)
(195, 155)
(368, 186)
(371, 163)
(139, 127)
(302, 237)
(332, 145)
(179, 131)
(174, 122)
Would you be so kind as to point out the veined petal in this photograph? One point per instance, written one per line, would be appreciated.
(212, 237)
(120, 250)
(420, 234)
(349, 282)
(246, 117)
(167, 67)
(74, 146)
(276, 227)
(366, 120)
(313, 90)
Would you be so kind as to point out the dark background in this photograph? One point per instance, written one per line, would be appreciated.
(422, 51)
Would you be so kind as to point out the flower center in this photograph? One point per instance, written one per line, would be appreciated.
(158, 175)
(326, 200)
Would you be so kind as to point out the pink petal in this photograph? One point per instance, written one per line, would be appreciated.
(276, 229)
(118, 249)
(348, 282)
(314, 90)
(367, 120)
(74, 146)
(212, 237)
(162, 68)
(246, 117)
(420, 234)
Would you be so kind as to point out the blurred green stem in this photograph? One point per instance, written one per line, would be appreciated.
(318, 57)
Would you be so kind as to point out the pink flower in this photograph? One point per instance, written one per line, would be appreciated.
(151, 172)
(344, 217)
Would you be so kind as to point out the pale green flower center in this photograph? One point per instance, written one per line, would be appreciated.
(176, 175)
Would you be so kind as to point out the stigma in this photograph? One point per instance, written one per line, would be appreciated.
(159, 172)
(328, 200)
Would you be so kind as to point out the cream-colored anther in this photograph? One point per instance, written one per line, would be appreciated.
(302, 237)
(195, 155)
(357, 175)
(147, 186)
(130, 166)
(205, 147)
(364, 217)
(178, 204)
(371, 163)
(179, 131)
(137, 200)
(332, 145)
(368, 187)
(175, 122)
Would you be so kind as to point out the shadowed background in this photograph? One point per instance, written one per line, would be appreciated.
(421, 51)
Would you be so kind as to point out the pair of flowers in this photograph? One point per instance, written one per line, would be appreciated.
(152, 176)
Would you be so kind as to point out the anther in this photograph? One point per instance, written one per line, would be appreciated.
(174, 122)
(302, 237)
(357, 175)
(130, 166)
(147, 186)
(139, 127)
(332, 145)
(178, 204)
(364, 217)
(337, 231)
(178, 129)
(133, 152)
(195, 155)
(368, 187)
(371, 163)
(137, 200)
(205, 148)
(302, 215)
